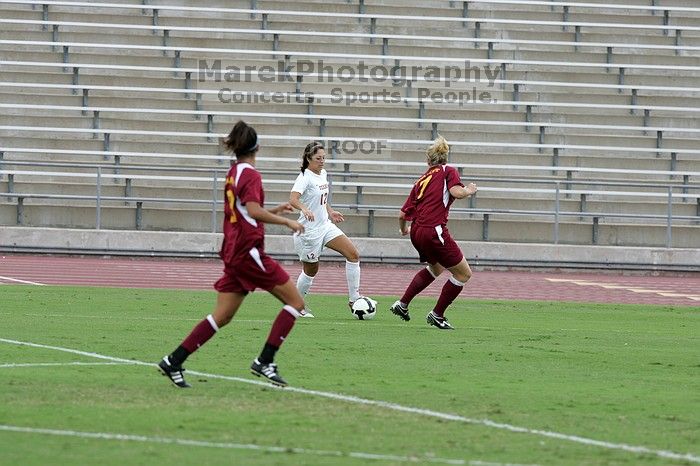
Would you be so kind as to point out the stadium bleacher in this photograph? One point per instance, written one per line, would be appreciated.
(593, 139)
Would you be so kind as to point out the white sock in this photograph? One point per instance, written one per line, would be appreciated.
(304, 283)
(352, 273)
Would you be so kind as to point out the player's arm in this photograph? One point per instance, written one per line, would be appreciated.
(284, 208)
(295, 201)
(257, 212)
(404, 227)
(455, 185)
(460, 192)
(334, 215)
(407, 213)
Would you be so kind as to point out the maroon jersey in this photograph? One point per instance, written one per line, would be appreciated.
(242, 233)
(429, 202)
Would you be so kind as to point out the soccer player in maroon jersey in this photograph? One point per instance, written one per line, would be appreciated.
(246, 266)
(427, 208)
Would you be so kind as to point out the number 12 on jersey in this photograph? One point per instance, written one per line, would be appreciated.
(324, 198)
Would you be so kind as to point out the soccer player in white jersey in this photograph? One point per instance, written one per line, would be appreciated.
(310, 195)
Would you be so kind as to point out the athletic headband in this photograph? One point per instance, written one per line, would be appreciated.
(251, 148)
(317, 145)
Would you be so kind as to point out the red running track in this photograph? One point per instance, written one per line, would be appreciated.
(376, 280)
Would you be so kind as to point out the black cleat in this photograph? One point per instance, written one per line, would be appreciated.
(439, 322)
(400, 310)
(269, 371)
(174, 373)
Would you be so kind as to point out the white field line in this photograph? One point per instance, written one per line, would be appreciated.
(246, 446)
(9, 279)
(400, 408)
(51, 364)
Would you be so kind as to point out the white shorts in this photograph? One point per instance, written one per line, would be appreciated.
(310, 244)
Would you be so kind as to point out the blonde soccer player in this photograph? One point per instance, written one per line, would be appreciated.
(310, 195)
(427, 209)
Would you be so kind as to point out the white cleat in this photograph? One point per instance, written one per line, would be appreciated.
(306, 313)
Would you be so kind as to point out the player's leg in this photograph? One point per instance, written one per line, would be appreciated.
(227, 303)
(425, 241)
(344, 246)
(461, 273)
(308, 248)
(420, 281)
(306, 277)
(263, 365)
(435, 269)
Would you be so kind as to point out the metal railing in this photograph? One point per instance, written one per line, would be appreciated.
(361, 15)
(372, 36)
(276, 52)
(108, 133)
(558, 190)
(363, 78)
(98, 113)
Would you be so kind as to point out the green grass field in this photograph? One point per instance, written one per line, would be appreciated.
(619, 375)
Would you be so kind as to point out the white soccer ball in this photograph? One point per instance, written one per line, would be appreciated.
(364, 308)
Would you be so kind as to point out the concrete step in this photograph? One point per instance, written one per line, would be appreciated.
(370, 91)
(145, 58)
(189, 123)
(349, 25)
(473, 155)
(211, 156)
(191, 145)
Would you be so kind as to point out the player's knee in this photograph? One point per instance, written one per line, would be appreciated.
(353, 256)
(463, 275)
(311, 269)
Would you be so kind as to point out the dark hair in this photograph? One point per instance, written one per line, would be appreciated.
(242, 140)
(310, 150)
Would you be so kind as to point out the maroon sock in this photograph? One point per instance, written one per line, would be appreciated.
(450, 290)
(200, 334)
(418, 284)
(282, 326)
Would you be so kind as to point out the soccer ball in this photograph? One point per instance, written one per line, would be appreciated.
(364, 308)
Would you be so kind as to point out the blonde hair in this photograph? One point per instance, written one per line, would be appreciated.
(437, 152)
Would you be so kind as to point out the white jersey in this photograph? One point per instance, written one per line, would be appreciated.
(314, 191)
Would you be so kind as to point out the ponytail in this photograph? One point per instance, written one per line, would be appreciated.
(242, 140)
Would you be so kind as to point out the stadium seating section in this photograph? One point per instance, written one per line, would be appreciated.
(593, 138)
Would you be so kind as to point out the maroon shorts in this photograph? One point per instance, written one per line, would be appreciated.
(435, 245)
(254, 270)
